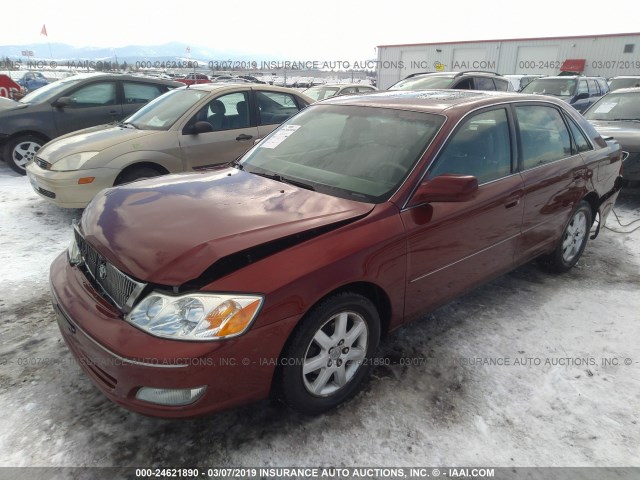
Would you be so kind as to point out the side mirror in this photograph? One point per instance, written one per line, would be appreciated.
(582, 96)
(62, 102)
(201, 127)
(445, 188)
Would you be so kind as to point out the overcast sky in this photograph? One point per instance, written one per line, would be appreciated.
(323, 30)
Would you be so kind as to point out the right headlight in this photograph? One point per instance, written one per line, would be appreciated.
(75, 161)
(200, 316)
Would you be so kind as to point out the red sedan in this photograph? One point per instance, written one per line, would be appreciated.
(278, 275)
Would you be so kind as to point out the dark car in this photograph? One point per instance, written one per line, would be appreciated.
(71, 104)
(577, 90)
(468, 80)
(617, 115)
(278, 275)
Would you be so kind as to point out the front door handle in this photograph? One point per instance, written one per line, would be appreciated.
(512, 201)
(244, 136)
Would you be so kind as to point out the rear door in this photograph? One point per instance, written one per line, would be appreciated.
(454, 246)
(554, 176)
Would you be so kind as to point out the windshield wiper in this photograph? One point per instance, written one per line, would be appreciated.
(626, 120)
(236, 163)
(281, 179)
(127, 125)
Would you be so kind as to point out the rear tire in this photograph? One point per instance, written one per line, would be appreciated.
(136, 173)
(329, 355)
(572, 242)
(21, 150)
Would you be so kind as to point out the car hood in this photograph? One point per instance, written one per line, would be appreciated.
(171, 230)
(627, 133)
(10, 105)
(94, 139)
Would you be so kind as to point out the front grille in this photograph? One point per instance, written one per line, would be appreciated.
(117, 286)
(42, 163)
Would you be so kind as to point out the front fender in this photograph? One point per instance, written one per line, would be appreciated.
(169, 162)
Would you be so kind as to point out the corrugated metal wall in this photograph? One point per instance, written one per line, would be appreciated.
(605, 56)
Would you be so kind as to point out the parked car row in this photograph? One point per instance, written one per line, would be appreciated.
(69, 105)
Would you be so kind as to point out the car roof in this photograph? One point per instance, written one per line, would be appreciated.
(341, 85)
(455, 74)
(117, 76)
(211, 87)
(569, 77)
(627, 90)
(434, 101)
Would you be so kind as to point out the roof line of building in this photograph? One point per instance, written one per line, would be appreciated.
(606, 35)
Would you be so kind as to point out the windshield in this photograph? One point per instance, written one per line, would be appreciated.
(49, 91)
(360, 153)
(423, 83)
(162, 112)
(320, 93)
(618, 83)
(616, 106)
(560, 87)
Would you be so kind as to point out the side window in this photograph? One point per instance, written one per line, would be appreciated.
(480, 147)
(226, 112)
(465, 84)
(582, 144)
(140, 92)
(94, 95)
(365, 89)
(347, 91)
(604, 88)
(582, 87)
(544, 136)
(275, 107)
(501, 85)
(593, 87)
(483, 83)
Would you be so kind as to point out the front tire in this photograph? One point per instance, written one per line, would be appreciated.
(136, 173)
(21, 150)
(573, 241)
(329, 355)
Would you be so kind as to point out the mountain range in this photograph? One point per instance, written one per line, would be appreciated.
(130, 53)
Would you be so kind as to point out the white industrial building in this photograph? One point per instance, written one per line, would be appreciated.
(600, 55)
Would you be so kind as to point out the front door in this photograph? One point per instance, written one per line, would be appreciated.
(232, 133)
(90, 105)
(454, 246)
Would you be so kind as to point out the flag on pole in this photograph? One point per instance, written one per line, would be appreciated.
(44, 30)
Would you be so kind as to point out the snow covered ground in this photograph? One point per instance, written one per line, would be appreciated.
(512, 374)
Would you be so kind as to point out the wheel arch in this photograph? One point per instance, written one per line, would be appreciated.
(147, 164)
(369, 290)
(23, 133)
(594, 202)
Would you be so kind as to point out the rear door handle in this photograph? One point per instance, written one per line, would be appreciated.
(244, 136)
